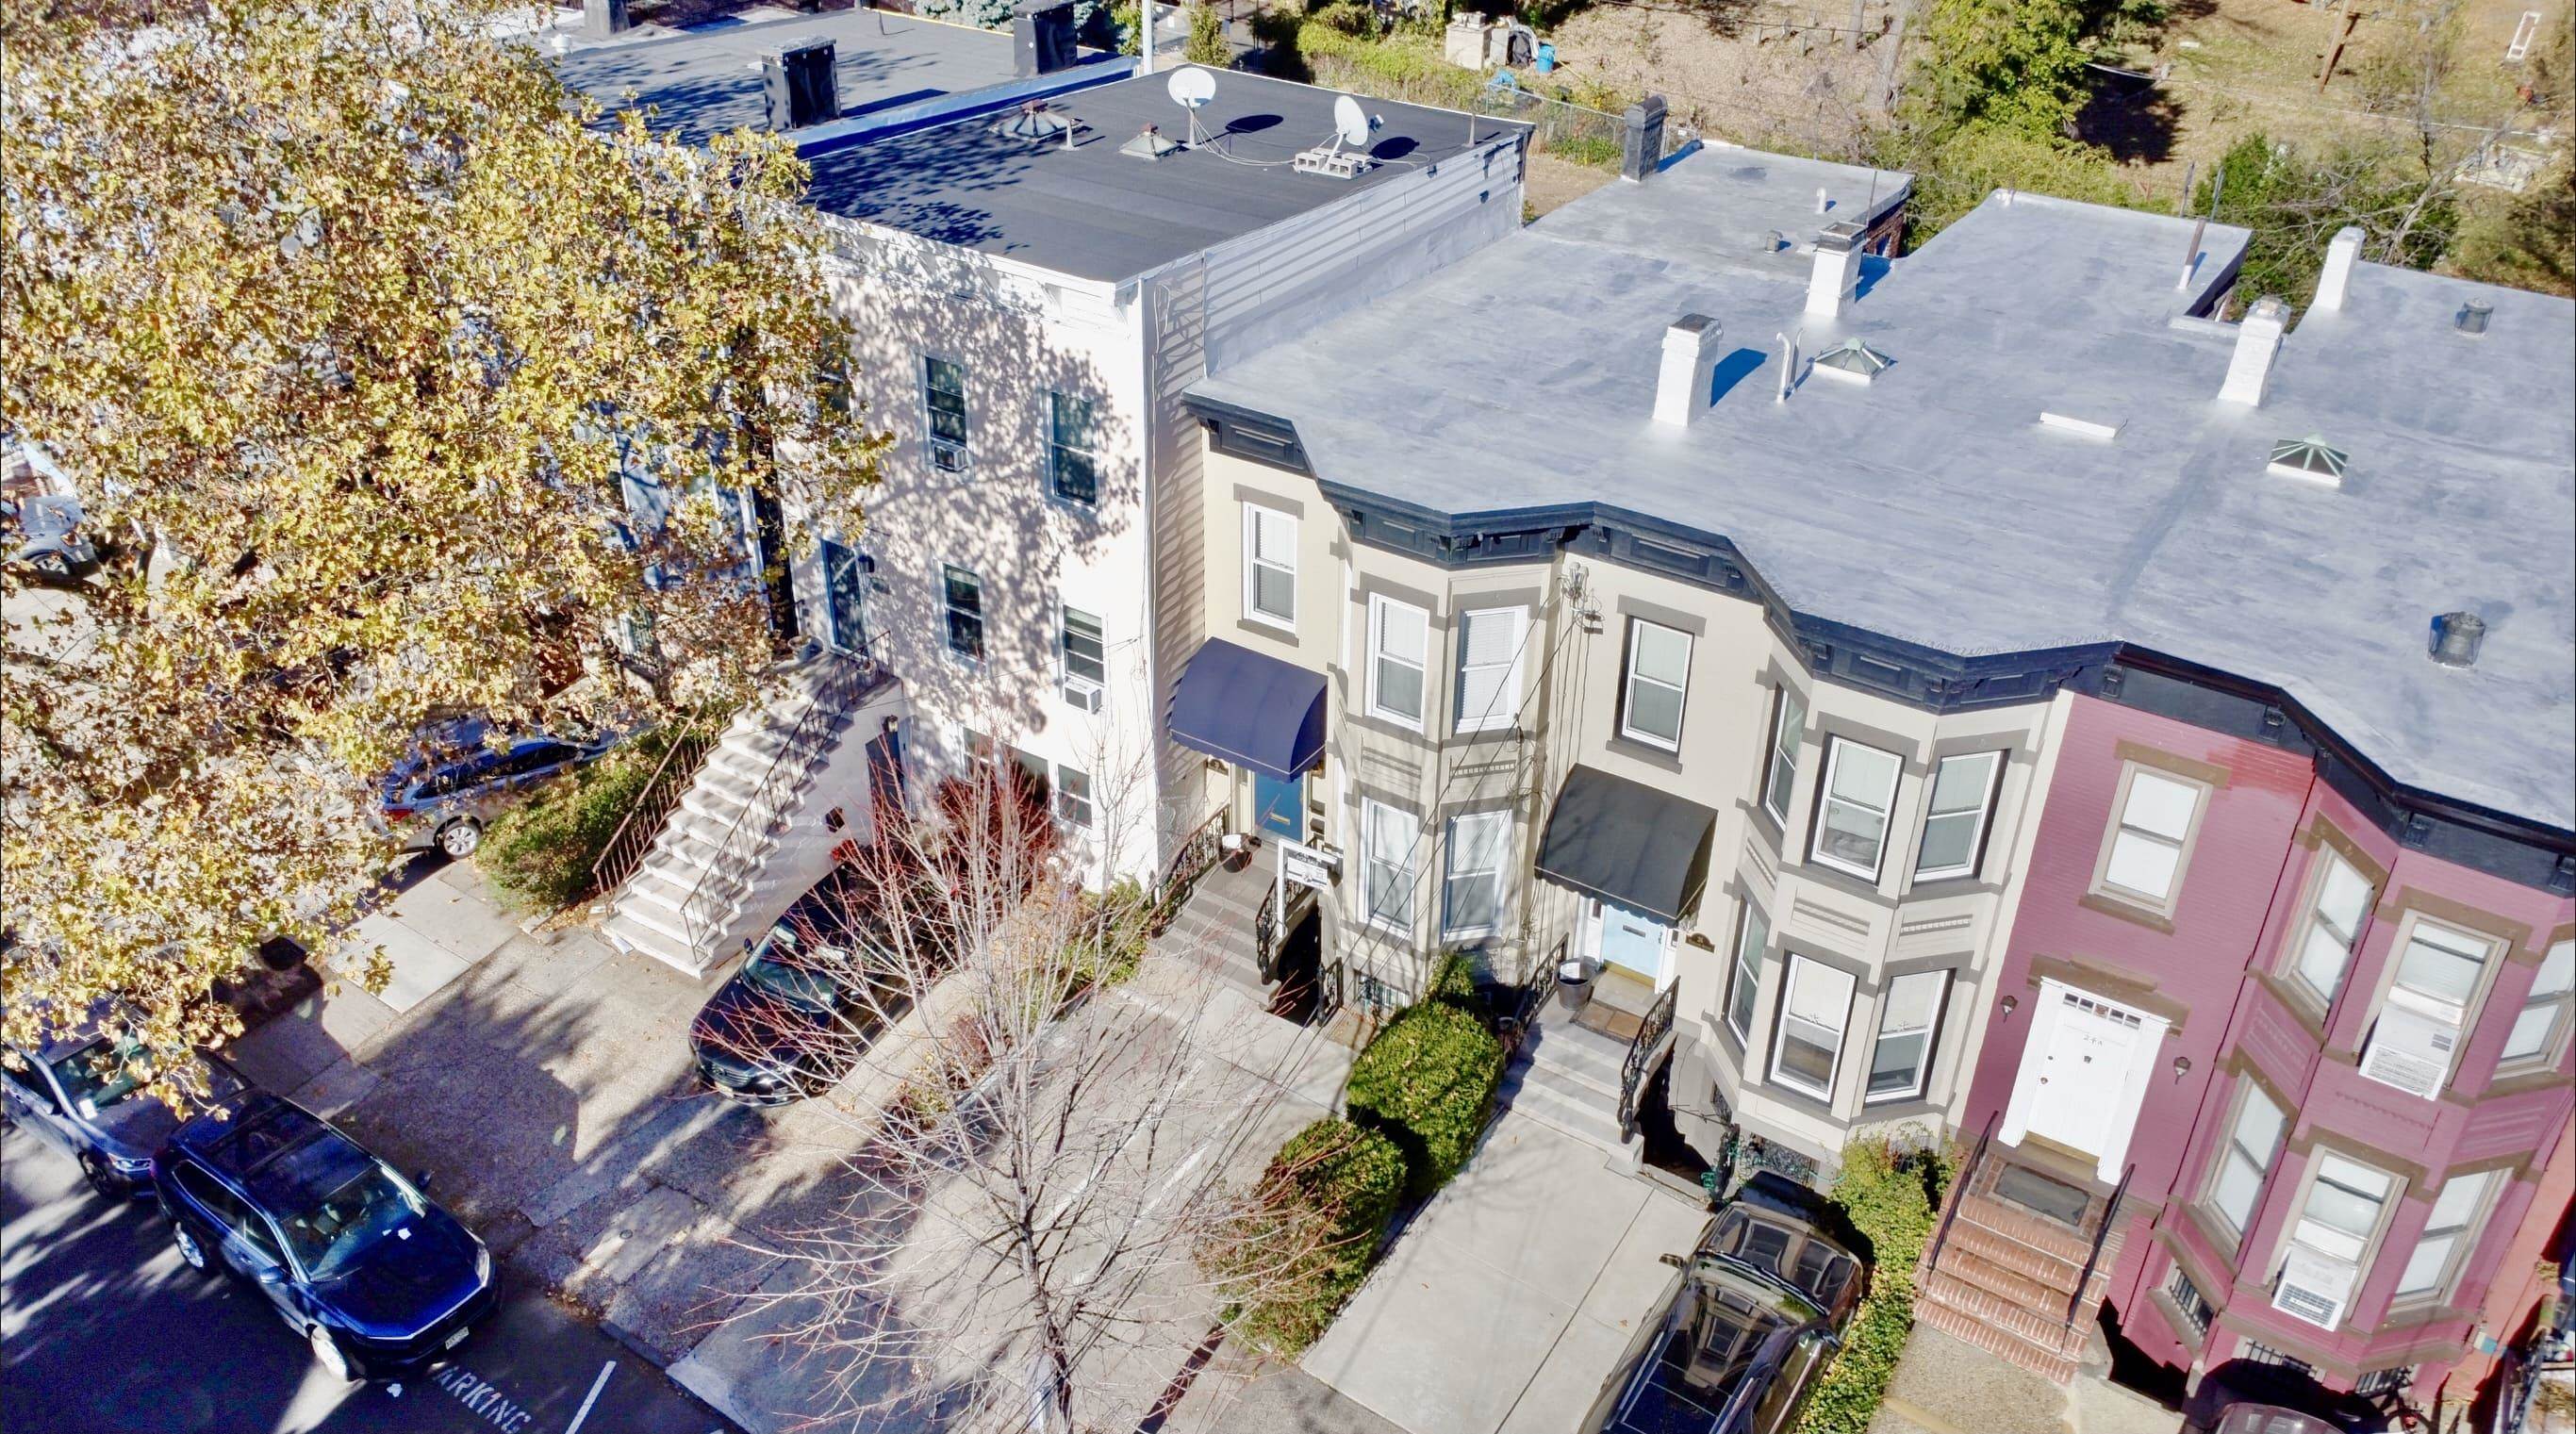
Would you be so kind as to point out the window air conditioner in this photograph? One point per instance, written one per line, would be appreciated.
(1083, 693)
(947, 457)
(2315, 1287)
(2411, 1051)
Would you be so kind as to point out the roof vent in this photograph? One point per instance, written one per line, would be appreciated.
(2343, 252)
(2102, 428)
(2258, 342)
(1149, 145)
(2472, 317)
(1770, 241)
(2309, 458)
(1854, 360)
(1837, 268)
(2456, 636)
(798, 87)
(1036, 121)
(1688, 368)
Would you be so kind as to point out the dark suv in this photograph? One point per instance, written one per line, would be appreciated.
(1747, 1326)
(378, 1280)
(459, 774)
(805, 1005)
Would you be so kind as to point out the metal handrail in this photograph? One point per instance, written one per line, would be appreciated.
(636, 831)
(1959, 1193)
(1534, 989)
(825, 706)
(2110, 1214)
(1197, 854)
(1641, 1054)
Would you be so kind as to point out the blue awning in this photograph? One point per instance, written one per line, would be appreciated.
(1235, 704)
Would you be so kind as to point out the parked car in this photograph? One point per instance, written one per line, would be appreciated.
(83, 1093)
(457, 777)
(801, 1010)
(376, 1278)
(1747, 1327)
(46, 535)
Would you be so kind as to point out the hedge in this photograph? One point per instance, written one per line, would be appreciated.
(540, 852)
(1427, 1083)
(1342, 1183)
(1893, 1198)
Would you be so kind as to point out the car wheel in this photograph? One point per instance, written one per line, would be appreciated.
(102, 1179)
(190, 1251)
(327, 1353)
(461, 838)
(51, 565)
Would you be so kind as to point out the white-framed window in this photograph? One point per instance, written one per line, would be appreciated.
(943, 413)
(1389, 840)
(1084, 655)
(1399, 654)
(1650, 710)
(2253, 1143)
(2542, 1021)
(2330, 1239)
(1472, 893)
(2142, 862)
(1858, 791)
(2341, 899)
(2449, 1231)
(1780, 766)
(2438, 971)
(1073, 450)
(1269, 566)
(1073, 796)
(1961, 802)
(1902, 1060)
(1815, 1009)
(962, 598)
(1489, 668)
(2415, 1037)
(1744, 978)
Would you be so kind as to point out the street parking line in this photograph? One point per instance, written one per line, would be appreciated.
(592, 1398)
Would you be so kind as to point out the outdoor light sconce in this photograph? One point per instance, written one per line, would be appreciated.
(2011, 1005)
(2182, 1067)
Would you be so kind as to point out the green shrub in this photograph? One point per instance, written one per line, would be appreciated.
(1427, 1083)
(1455, 983)
(540, 852)
(1328, 1193)
(1893, 1199)
(1207, 44)
(1349, 17)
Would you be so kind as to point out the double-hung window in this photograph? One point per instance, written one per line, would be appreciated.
(1780, 764)
(1902, 1060)
(1489, 668)
(1815, 1008)
(1650, 711)
(1472, 898)
(943, 413)
(1388, 838)
(1954, 827)
(1858, 792)
(2253, 1143)
(962, 595)
(1269, 565)
(1744, 980)
(2328, 1241)
(1399, 654)
(2142, 862)
(2542, 1021)
(2340, 901)
(1085, 656)
(1073, 452)
(1073, 796)
(2448, 1233)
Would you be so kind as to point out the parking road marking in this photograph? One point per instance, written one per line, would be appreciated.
(592, 1398)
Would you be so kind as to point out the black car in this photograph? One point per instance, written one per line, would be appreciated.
(804, 1006)
(381, 1282)
(1749, 1323)
(87, 1093)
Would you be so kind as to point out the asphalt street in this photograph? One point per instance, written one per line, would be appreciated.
(104, 1331)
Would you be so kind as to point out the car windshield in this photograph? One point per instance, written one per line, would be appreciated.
(1719, 1332)
(103, 1072)
(349, 1200)
(777, 969)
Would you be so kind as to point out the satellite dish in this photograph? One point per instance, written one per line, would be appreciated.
(1350, 122)
(1191, 87)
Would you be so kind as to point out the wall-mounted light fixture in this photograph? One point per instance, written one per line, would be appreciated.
(2182, 1067)
(2010, 1005)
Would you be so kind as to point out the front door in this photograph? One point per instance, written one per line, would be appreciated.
(1631, 940)
(844, 596)
(2082, 1075)
(1279, 808)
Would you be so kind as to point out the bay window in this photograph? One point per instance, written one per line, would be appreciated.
(2253, 1143)
(1472, 896)
(2542, 1021)
(1961, 802)
(1815, 1008)
(2342, 899)
(1744, 980)
(1399, 649)
(1858, 792)
(1902, 1060)
(1780, 764)
(1388, 865)
(2448, 1233)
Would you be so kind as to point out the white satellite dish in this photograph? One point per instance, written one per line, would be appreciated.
(1351, 124)
(1191, 87)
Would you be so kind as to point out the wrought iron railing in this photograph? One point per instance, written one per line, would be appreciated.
(1959, 1192)
(1532, 993)
(1197, 855)
(2093, 1257)
(684, 751)
(1270, 925)
(1641, 1057)
(843, 678)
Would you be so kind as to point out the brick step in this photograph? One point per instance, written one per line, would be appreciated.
(2029, 1229)
(2058, 1368)
(2048, 1332)
(2045, 1296)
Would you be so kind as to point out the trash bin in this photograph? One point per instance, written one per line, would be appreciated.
(1546, 57)
(1573, 984)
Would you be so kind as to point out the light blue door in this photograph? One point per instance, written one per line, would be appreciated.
(1278, 807)
(1632, 939)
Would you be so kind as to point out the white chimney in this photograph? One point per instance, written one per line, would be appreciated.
(1837, 269)
(2258, 342)
(1690, 363)
(2342, 252)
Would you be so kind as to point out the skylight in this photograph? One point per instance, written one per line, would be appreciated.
(1853, 359)
(2309, 458)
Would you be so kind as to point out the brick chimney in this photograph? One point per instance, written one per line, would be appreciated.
(1689, 363)
(2258, 342)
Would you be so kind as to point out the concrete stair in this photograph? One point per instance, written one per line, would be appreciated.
(692, 883)
(2005, 1278)
(1566, 1077)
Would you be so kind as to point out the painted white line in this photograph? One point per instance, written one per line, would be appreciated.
(592, 1398)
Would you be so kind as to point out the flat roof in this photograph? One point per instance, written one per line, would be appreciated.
(1933, 506)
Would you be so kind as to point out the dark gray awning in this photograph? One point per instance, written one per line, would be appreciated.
(1627, 842)
(1249, 709)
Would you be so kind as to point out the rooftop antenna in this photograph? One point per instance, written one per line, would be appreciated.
(1191, 87)
(1345, 157)
(2217, 187)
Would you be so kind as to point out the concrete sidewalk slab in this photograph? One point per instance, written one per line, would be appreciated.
(310, 1037)
(420, 966)
(1570, 1378)
(1538, 1205)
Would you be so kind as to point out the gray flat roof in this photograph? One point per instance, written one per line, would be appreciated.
(1932, 506)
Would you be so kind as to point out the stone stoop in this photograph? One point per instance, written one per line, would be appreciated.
(2003, 1282)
